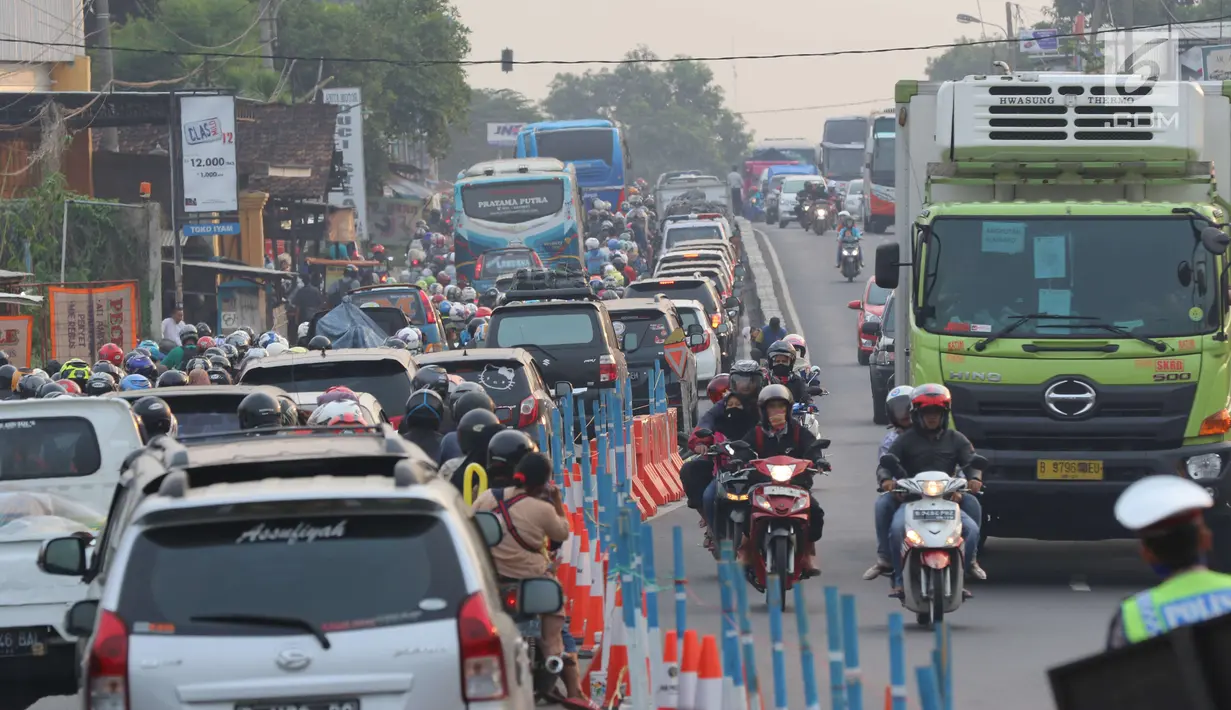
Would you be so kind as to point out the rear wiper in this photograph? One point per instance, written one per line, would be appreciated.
(285, 622)
(1019, 321)
(1125, 333)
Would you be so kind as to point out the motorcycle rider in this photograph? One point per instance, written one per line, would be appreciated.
(930, 445)
(1166, 513)
(778, 434)
(595, 258)
(782, 370)
(897, 410)
(421, 423)
(847, 234)
(814, 191)
(745, 380)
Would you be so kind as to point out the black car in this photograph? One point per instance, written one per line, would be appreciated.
(880, 369)
(511, 377)
(697, 289)
(570, 337)
(644, 325)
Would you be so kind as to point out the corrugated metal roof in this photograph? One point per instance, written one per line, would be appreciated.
(56, 22)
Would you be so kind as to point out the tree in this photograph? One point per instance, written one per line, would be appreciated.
(957, 62)
(469, 140)
(672, 114)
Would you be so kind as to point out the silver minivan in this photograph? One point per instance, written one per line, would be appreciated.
(321, 593)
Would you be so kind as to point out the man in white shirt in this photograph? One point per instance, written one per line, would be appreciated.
(171, 326)
(735, 181)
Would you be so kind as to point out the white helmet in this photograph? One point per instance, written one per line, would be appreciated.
(1153, 499)
(412, 338)
(322, 415)
(426, 273)
(591, 244)
(844, 214)
(469, 294)
(302, 332)
(275, 348)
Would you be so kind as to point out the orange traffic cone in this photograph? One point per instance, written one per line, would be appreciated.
(667, 694)
(616, 654)
(580, 604)
(566, 573)
(689, 666)
(709, 676)
(594, 610)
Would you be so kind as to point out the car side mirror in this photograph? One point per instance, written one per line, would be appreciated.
(540, 595)
(723, 329)
(79, 621)
(64, 556)
(489, 525)
(563, 389)
(1215, 240)
(888, 258)
(870, 328)
(853, 305)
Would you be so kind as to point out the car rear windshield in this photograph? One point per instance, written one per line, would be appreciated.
(513, 202)
(386, 380)
(577, 144)
(506, 381)
(48, 447)
(545, 328)
(206, 413)
(643, 333)
(410, 302)
(679, 235)
(496, 263)
(877, 295)
(683, 290)
(308, 571)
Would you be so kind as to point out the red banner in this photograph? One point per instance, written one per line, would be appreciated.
(15, 338)
(84, 319)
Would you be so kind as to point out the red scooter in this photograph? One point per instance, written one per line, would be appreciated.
(779, 526)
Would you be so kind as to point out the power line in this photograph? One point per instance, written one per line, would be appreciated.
(818, 108)
(583, 62)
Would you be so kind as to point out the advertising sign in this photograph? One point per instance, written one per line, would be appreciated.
(207, 146)
(1038, 41)
(1216, 62)
(503, 135)
(348, 139)
(15, 332)
(83, 319)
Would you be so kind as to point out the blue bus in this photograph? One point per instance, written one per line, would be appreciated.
(595, 148)
(514, 214)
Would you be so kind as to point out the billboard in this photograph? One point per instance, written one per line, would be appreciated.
(207, 151)
(15, 339)
(503, 135)
(348, 140)
(82, 320)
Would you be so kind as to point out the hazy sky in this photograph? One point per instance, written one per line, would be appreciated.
(586, 29)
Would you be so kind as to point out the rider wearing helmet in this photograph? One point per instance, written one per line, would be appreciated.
(156, 417)
(135, 382)
(450, 446)
(930, 445)
(259, 410)
(746, 379)
(111, 353)
(421, 424)
(801, 348)
(595, 258)
(778, 434)
(897, 411)
(847, 234)
(506, 449)
(186, 350)
(474, 431)
(100, 383)
(75, 370)
(782, 371)
(172, 378)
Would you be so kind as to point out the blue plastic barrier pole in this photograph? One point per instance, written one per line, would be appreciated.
(681, 594)
(557, 448)
(807, 659)
(652, 391)
(588, 483)
(570, 443)
(833, 630)
(745, 631)
(850, 644)
(778, 653)
(929, 688)
(944, 666)
(541, 432)
(602, 480)
(636, 669)
(897, 662)
(730, 637)
(623, 481)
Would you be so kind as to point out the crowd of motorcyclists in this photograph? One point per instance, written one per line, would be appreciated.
(619, 241)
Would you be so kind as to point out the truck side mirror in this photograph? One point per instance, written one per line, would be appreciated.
(887, 264)
(1215, 240)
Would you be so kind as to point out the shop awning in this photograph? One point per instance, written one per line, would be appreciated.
(238, 269)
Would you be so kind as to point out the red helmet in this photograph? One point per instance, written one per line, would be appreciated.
(717, 388)
(112, 354)
(378, 249)
(69, 386)
(931, 396)
(443, 278)
(482, 312)
(205, 343)
(438, 298)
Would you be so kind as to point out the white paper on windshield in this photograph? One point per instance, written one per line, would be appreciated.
(1056, 302)
(1004, 237)
(25, 514)
(1049, 257)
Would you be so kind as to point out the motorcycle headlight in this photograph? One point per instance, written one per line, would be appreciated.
(933, 489)
(737, 496)
(801, 503)
(913, 538)
(781, 472)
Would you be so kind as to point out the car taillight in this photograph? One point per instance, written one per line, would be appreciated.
(481, 651)
(715, 320)
(528, 412)
(703, 346)
(478, 269)
(428, 308)
(107, 670)
(606, 368)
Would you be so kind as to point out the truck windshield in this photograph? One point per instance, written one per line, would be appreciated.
(980, 273)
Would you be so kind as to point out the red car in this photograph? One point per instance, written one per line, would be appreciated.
(871, 307)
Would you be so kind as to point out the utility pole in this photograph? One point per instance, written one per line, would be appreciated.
(269, 30)
(1096, 21)
(1015, 46)
(106, 67)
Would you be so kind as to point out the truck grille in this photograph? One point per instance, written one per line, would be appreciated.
(1044, 115)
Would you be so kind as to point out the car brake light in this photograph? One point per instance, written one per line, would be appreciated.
(667, 283)
(478, 269)
(107, 669)
(705, 345)
(481, 651)
(428, 308)
(691, 256)
(528, 412)
(715, 320)
(606, 368)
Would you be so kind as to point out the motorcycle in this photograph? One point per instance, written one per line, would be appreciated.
(545, 671)
(805, 415)
(850, 260)
(820, 220)
(731, 502)
(806, 212)
(779, 525)
(933, 561)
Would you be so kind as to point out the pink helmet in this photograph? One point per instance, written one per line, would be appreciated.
(797, 342)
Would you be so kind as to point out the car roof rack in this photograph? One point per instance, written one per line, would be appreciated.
(513, 298)
(178, 482)
(547, 279)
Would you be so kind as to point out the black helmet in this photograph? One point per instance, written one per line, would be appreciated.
(259, 410)
(156, 416)
(476, 429)
(218, 362)
(319, 342)
(461, 389)
(49, 389)
(247, 329)
(104, 366)
(395, 343)
(746, 379)
(203, 330)
(166, 345)
(29, 386)
(188, 333)
(213, 351)
(100, 383)
(197, 363)
(424, 407)
(172, 378)
(218, 376)
(781, 349)
(504, 451)
(288, 411)
(4, 358)
(432, 377)
(471, 401)
(7, 372)
(774, 393)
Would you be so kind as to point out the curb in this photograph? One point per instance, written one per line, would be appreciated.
(762, 277)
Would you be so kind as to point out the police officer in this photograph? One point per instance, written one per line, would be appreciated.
(1166, 513)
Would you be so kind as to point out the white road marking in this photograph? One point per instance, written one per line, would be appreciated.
(786, 291)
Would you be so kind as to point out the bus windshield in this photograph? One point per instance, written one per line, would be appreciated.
(848, 131)
(577, 144)
(513, 202)
(982, 274)
(841, 163)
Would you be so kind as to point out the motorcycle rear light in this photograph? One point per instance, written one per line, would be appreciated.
(737, 496)
(107, 669)
(481, 651)
(606, 369)
(528, 412)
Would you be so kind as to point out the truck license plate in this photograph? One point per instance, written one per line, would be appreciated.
(23, 642)
(1053, 470)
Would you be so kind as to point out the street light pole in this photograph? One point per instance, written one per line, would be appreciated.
(1010, 35)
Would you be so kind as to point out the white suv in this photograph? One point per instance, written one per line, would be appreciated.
(318, 593)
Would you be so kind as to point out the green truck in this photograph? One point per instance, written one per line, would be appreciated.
(1064, 255)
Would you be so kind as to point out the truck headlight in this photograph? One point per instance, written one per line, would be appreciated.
(1204, 467)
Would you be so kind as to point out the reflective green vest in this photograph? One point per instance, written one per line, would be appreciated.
(1187, 598)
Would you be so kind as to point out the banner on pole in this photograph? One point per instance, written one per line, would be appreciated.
(15, 339)
(207, 149)
(348, 140)
(503, 135)
(82, 320)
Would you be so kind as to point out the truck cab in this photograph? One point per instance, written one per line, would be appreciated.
(1065, 270)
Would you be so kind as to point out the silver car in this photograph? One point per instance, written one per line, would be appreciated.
(320, 593)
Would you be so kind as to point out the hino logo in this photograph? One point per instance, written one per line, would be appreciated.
(975, 376)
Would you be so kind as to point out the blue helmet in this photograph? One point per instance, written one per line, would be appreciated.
(135, 382)
(267, 338)
(141, 365)
(152, 348)
(613, 244)
(444, 307)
